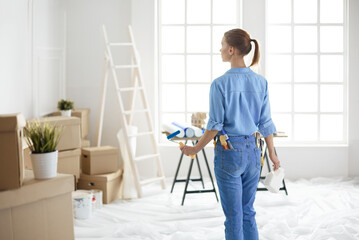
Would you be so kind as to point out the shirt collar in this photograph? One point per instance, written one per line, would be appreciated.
(239, 70)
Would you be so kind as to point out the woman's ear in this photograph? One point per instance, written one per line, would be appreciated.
(231, 50)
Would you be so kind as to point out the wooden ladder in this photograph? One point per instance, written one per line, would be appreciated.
(138, 86)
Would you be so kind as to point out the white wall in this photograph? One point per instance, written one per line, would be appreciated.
(353, 87)
(32, 47)
(14, 78)
(85, 58)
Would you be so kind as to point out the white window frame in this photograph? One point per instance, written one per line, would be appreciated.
(185, 54)
(318, 83)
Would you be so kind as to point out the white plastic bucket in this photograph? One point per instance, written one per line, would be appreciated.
(96, 199)
(44, 164)
(82, 204)
(66, 113)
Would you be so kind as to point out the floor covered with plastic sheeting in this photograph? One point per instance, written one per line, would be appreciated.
(316, 209)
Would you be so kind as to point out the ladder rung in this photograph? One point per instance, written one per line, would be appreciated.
(151, 180)
(135, 111)
(146, 157)
(140, 134)
(120, 44)
(129, 89)
(125, 66)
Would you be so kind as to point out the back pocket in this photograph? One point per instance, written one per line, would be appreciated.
(232, 160)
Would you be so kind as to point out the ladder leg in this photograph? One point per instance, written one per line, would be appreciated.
(102, 104)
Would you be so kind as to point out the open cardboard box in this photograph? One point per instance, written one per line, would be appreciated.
(40, 209)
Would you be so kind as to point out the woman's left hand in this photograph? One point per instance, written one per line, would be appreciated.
(188, 150)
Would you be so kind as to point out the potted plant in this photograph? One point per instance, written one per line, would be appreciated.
(65, 106)
(42, 139)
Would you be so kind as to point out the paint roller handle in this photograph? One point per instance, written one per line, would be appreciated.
(192, 155)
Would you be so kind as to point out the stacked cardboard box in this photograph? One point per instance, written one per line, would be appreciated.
(100, 170)
(40, 209)
(83, 114)
(11, 155)
(68, 147)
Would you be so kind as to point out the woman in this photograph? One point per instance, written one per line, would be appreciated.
(239, 105)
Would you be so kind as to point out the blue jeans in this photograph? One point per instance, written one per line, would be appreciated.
(237, 172)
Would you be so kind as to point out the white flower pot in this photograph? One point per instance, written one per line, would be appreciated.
(44, 164)
(66, 113)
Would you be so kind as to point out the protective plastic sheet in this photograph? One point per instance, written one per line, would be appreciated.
(317, 209)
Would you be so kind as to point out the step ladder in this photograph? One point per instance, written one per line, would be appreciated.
(137, 86)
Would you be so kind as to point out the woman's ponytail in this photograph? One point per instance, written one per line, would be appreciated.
(256, 54)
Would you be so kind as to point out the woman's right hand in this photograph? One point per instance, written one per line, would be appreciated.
(273, 157)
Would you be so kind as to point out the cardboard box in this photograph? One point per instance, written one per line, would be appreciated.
(99, 160)
(83, 114)
(108, 183)
(85, 143)
(69, 162)
(70, 138)
(40, 209)
(11, 154)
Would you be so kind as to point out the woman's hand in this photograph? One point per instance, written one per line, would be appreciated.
(188, 150)
(273, 157)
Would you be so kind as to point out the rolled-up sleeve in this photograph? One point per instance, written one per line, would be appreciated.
(216, 108)
(266, 126)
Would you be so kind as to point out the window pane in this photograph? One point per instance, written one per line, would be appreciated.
(305, 39)
(280, 96)
(283, 123)
(219, 67)
(305, 68)
(279, 11)
(305, 127)
(331, 98)
(172, 39)
(224, 11)
(173, 117)
(173, 98)
(199, 68)
(305, 11)
(331, 127)
(172, 68)
(279, 68)
(172, 11)
(331, 68)
(199, 11)
(279, 39)
(218, 33)
(331, 39)
(198, 39)
(198, 97)
(331, 11)
(306, 98)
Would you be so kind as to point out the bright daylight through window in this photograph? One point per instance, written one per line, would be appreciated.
(303, 58)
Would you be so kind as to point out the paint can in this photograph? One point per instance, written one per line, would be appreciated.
(96, 199)
(82, 204)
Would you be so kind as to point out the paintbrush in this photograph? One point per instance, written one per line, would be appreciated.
(172, 135)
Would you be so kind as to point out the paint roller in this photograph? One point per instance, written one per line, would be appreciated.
(172, 135)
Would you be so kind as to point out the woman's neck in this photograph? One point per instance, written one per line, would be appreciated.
(237, 62)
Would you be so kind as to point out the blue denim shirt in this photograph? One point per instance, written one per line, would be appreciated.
(239, 103)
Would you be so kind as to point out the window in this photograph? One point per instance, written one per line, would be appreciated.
(190, 34)
(306, 69)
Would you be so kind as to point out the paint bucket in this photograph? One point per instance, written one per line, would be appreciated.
(82, 204)
(96, 199)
